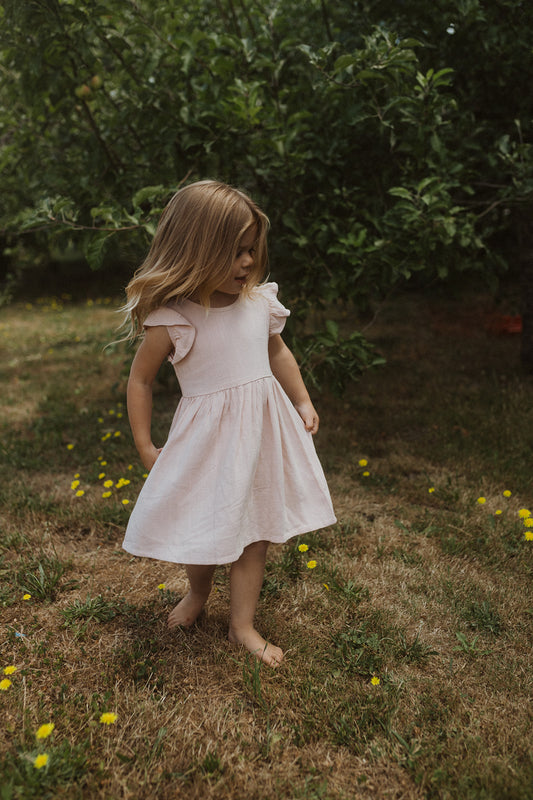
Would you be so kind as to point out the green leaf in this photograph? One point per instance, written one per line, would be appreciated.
(400, 191)
(148, 194)
(343, 62)
(332, 328)
(95, 249)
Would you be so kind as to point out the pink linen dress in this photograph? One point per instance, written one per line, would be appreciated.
(238, 466)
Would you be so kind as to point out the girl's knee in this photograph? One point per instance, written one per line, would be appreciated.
(255, 550)
(258, 547)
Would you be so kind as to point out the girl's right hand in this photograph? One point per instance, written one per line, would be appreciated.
(150, 456)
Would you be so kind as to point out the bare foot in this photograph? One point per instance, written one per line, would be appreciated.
(187, 611)
(254, 642)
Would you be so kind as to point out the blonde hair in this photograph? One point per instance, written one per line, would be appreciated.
(194, 249)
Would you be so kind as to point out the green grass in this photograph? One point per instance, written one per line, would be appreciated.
(418, 585)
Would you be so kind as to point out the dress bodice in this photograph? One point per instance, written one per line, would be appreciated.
(218, 348)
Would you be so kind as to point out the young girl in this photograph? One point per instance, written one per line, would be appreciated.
(239, 468)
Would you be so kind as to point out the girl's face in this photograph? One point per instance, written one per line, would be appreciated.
(244, 260)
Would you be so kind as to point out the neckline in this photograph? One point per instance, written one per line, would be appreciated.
(211, 309)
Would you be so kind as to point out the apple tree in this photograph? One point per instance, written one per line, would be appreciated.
(387, 142)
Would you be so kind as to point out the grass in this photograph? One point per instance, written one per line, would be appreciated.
(408, 645)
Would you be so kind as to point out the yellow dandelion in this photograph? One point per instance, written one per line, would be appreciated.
(366, 474)
(9, 670)
(130, 466)
(528, 536)
(101, 476)
(125, 502)
(5, 684)
(70, 447)
(162, 586)
(498, 512)
(105, 495)
(507, 493)
(105, 437)
(108, 484)
(431, 489)
(481, 500)
(303, 548)
(120, 415)
(41, 761)
(117, 433)
(45, 730)
(375, 681)
(311, 564)
(26, 596)
(325, 586)
(108, 718)
(528, 522)
(363, 462)
(80, 493)
(524, 512)
(74, 485)
(100, 420)
(111, 411)
(145, 474)
(103, 463)
(77, 475)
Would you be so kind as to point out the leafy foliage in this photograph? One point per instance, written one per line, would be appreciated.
(387, 142)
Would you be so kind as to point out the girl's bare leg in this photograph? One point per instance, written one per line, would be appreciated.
(246, 579)
(188, 609)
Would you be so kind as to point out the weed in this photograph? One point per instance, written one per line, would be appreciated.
(313, 790)
(470, 648)
(13, 541)
(411, 747)
(211, 766)
(415, 652)
(65, 772)
(413, 559)
(273, 583)
(168, 597)
(154, 751)
(482, 616)
(348, 589)
(93, 608)
(251, 680)
(291, 563)
(283, 573)
(359, 651)
(42, 577)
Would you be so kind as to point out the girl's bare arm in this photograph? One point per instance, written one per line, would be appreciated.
(154, 348)
(287, 372)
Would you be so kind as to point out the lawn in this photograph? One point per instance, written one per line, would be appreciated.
(407, 626)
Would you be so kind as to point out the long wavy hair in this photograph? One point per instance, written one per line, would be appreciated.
(194, 249)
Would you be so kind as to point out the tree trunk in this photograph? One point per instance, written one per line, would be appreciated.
(526, 286)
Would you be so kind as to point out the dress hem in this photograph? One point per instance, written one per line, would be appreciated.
(230, 559)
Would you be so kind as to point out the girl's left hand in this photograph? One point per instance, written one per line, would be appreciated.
(308, 413)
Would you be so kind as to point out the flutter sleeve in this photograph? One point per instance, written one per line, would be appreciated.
(278, 312)
(180, 330)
